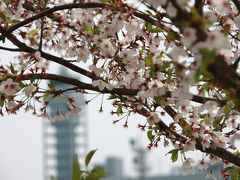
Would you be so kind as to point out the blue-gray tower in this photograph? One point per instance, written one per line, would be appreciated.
(63, 139)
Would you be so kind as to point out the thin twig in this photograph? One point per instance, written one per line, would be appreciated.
(41, 35)
(10, 49)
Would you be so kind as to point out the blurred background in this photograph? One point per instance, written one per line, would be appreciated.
(34, 148)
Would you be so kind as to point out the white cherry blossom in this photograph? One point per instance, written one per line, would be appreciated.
(211, 176)
(187, 166)
(58, 117)
(29, 89)
(202, 165)
(9, 87)
(189, 36)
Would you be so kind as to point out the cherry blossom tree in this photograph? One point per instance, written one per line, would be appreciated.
(175, 59)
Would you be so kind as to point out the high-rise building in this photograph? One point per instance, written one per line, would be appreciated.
(63, 139)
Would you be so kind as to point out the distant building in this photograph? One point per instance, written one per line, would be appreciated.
(114, 170)
(63, 139)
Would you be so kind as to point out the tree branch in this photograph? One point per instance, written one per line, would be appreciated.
(237, 4)
(225, 75)
(10, 49)
(47, 56)
(50, 11)
(119, 91)
(218, 151)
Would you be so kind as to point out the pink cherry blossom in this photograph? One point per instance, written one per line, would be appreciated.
(101, 84)
(202, 165)
(189, 36)
(58, 117)
(9, 87)
(211, 176)
(153, 118)
(189, 145)
(75, 110)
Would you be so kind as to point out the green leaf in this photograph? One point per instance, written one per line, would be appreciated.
(164, 66)
(234, 171)
(152, 73)
(45, 1)
(76, 171)
(202, 116)
(119, 109)
(156, 30)
(206, 121)
(149, 135)
(52, 178)
(15, 21)
(174, 153)
(235, 175)
(89, 156)
(3, 17)
(89, 28)
(45, 96)
(187, 128)
(32, 79)
(208, 57)
(237, 153)
(174, 157)
(197, 74)
(195, 13)
(217, 128)
(12, 69)
(99, 172)
(217, 121)
(96, 31)
(105, 1)
(228, 108)
(1, 102)
(51, 85)
(149, 61)
(21, 84)
(171, 36)
(148, 26)
(112, 96)
(33, 32)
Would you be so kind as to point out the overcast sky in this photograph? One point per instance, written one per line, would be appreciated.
(21, 144)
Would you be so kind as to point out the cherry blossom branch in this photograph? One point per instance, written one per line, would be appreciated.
(50, 11)
(77, 83)
(50, 16)
(86, 86)
(119, 91)
(218, 151)
(157, 23)
(223, 73)
(237, 4)
(47, 56)
(183, 15)
(198, 5)
(47, 12)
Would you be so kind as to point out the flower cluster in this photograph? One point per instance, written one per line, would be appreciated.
(154, 58)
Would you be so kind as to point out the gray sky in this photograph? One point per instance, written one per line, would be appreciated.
(21, 144)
